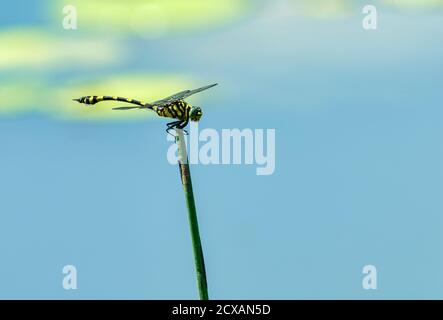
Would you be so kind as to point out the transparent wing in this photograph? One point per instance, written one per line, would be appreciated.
(181, 95)
(125, 108)
(146, 106)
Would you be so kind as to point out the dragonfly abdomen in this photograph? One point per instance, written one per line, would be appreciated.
(96, 99)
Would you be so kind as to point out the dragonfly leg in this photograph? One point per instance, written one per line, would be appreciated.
(171, 126)
(182, 125)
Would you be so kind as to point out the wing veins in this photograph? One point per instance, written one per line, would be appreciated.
(181, 95)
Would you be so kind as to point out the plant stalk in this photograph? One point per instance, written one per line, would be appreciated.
(185, 175)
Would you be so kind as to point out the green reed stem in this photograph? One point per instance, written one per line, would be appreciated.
(185, 175)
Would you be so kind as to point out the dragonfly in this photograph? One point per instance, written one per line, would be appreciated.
(174, 106)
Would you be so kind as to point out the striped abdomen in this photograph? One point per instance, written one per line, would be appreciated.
(177, 110)
(96, 99)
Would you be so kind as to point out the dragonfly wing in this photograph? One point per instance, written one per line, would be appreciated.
(170, 99)
(190, 93)
(125, 108)
(181, 95)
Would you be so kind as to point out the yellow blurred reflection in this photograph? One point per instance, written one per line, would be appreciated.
(154, 18)
(324, 8)
(31, 48)
(18, 97)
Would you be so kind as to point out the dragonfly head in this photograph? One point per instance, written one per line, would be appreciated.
(195, 114)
